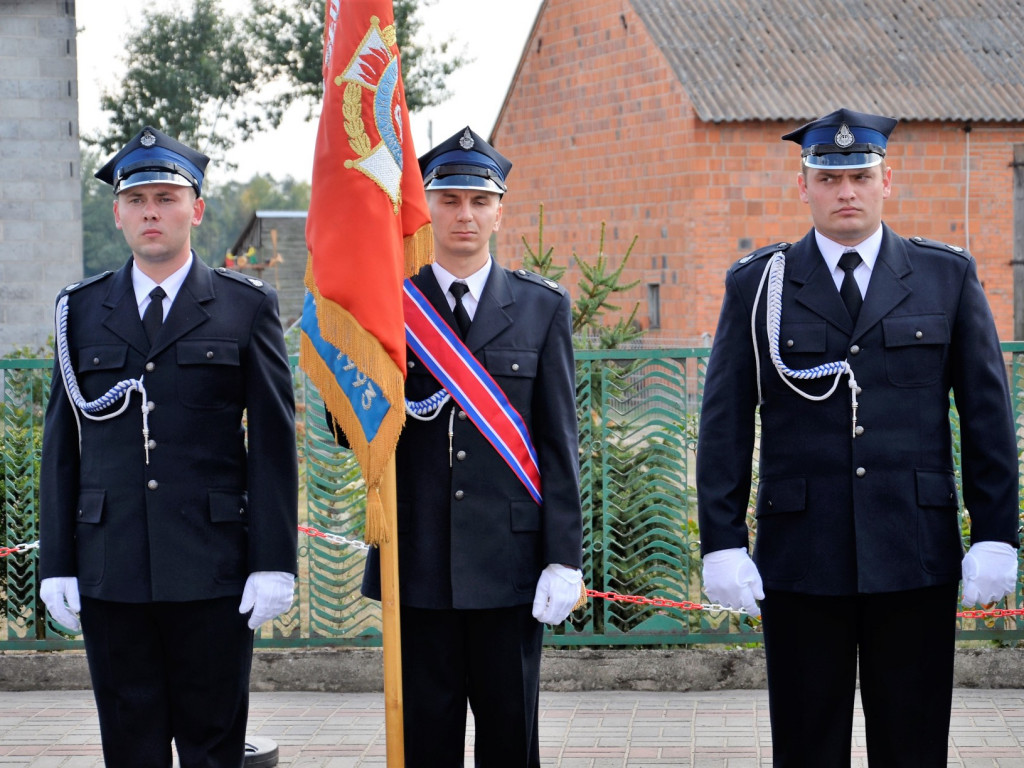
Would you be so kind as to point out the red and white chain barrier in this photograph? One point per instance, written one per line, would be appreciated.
(658, 602)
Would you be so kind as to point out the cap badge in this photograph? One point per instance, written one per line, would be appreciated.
(147, 139)
(844, 137)
(466, 141)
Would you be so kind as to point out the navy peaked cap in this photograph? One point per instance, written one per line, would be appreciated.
(465, 161)
(153, 157)
(844, 138)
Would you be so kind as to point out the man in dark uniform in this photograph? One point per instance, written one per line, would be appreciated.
(483, 565)
(169, 480)
(859, 336)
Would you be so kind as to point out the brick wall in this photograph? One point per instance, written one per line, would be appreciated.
(40, 198)
(600, 130)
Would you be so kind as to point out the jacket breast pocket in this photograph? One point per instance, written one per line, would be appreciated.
(514, 370)
(802, 344)
(100, 366)
(915, 349)
(209, 373)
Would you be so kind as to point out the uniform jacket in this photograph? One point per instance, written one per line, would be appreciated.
(839, 515)
(218, 499)
(469, 534)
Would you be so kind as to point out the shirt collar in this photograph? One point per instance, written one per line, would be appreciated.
(867, 248)
(143, 283)
(476, 281)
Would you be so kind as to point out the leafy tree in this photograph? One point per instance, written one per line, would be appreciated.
(187, 75)
(103, 245)
(212, 79)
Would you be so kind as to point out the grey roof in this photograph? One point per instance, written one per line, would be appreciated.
(943, 60)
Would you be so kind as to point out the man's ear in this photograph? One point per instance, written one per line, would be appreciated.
(198, 208)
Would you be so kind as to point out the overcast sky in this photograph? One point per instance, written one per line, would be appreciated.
(490, 32)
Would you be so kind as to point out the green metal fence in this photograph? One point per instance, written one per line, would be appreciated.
(638, 412)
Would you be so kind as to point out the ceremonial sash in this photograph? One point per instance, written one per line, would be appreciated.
(471, 386)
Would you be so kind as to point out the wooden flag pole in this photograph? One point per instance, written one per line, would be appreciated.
(392, 628)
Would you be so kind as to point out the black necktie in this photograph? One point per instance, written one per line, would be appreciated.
(458, 290)
(849, 290)
(153, 317)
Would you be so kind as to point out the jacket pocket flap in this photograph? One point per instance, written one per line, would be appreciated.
(511, 362)
(102, 357)
(915, 330)
(525, 516)
(803, 337)
(207, 352)
(90, 506)
(936, 489)
(786, 495)
(229, 507)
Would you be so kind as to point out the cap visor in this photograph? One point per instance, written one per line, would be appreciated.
(843, 160)
(460, 181)
(152, 177)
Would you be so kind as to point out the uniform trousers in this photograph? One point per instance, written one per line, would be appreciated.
(904, 644)
(489, 658)
(163, 671)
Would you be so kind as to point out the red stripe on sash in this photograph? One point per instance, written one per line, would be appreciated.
(471, 386)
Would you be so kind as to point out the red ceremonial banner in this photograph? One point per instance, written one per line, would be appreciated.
(368, 228)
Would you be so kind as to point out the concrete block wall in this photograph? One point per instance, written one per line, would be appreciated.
(599, 129)
(40, 197)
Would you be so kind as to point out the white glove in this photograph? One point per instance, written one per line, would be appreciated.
(558, 590)
(731, 579)
(60, 593)
(267, 594)
(990, 572)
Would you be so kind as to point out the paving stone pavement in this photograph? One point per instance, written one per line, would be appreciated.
(615, 729)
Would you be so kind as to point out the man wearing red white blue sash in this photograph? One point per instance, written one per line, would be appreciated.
(489, 518)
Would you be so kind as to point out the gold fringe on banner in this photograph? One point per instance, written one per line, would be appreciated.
(341, 330)
(419, 249)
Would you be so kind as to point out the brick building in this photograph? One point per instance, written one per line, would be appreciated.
(662, 118)
(40, 197)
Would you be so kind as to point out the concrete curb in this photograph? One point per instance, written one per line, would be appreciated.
(359, 670)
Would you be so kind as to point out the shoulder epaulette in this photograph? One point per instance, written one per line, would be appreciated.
(760, 253)
(84, 282)
(252, 282)
(533, 277)
(938, 245)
